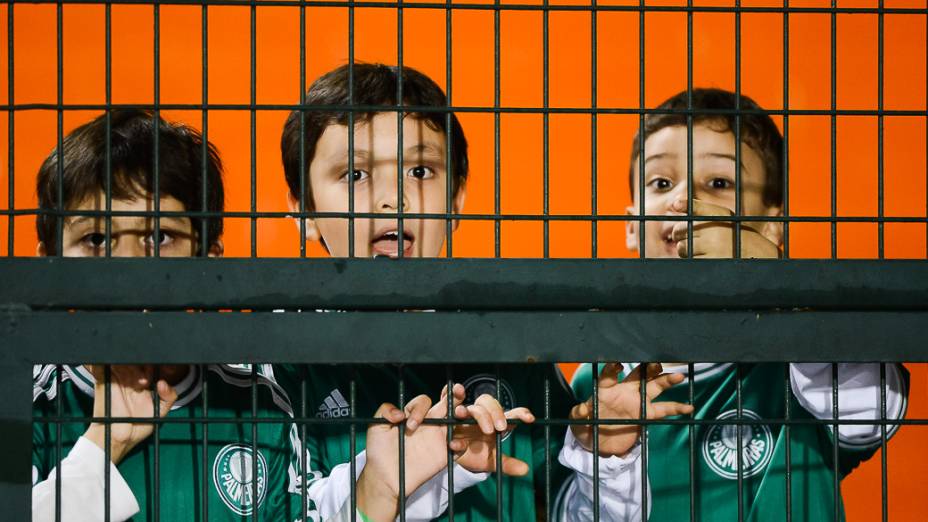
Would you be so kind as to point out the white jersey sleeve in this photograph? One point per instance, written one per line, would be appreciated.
(859, 397)
(83, 488)
(331, 494)
(619, 485)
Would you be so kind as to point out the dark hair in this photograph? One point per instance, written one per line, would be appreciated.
(374, 84)
(132, 154)
(758, 131)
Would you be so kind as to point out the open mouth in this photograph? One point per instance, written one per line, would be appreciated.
(388, 243)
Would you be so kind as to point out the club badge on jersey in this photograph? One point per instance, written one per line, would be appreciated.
(235, 478)
(720, 446)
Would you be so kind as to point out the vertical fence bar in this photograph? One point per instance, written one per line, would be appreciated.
(204, 469)
(107, 438)
(787, 395)
(304, 462)
(449, 164)
(156, 431)
(884, 482)
(499, 454)
(400, 167)
(496, 130)
(353, 443)
(204, 119)
(449, 436)
(834, 129)
(740, 427)
(545, 122)
(739, 207)
(351, 180)
(786, 132)
(642, 221)
(59, 239)
(691, 432)
(156, 197)
(252, 34)
(548, 462)
(880, 187)
(689, 127)
(58, 450)
(836, 485)
(643, 393)
(594, 129)
(11, 130)
(401, 435)
(254, 430)
(303, 173)
(108, 124)
(596, 501)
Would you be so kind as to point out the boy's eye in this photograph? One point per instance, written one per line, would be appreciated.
(94, 240)
(420, 172)
(355, 176)
(660, 184)
(164, 238)
(720, 183)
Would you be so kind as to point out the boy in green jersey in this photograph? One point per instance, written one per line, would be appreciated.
(326, 175)
(760, 474)
(180, 470)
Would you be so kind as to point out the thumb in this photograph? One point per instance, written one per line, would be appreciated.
(168, 396)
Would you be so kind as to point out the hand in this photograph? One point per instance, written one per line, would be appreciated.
(426, 447)
(130, 396)
(715, 239)
(622, 400)
(474, 445)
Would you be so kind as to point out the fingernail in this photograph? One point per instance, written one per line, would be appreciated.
(411, 424)
(501, 425)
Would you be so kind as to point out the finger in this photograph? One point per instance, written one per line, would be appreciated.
(650, 371)
(609, 375)
(659, 410)
(584, 410)
(521, 414)
(168, 396)
(495, 409)
(514, 467)
(704, 208)
(418, 408)
(483, 418)
(659, 384)
(389, 412)
(680, 231)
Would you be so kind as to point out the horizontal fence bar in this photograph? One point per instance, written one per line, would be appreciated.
(462, 337)
(462, 284)
(502, 7)
(458, 109)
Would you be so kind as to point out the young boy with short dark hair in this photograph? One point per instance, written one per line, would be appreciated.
(74, 451)
(325, 181)
(761, 471)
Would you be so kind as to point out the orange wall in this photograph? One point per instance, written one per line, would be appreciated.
(521, 85)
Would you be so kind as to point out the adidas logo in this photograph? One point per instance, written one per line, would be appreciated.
(334, 406)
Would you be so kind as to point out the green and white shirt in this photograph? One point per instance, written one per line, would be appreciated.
(763, 444)
(204, 471)
(329, 445)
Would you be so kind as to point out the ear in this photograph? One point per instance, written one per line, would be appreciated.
(216, 249)
(631, 230)
(40, 249)
(312, 231)
(459, 199)
(773, 230)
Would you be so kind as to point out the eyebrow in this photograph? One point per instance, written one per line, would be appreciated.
(83, 220)
(423, 148)
(718, 155)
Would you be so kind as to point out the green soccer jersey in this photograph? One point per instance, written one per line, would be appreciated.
(196, 471)
(763, 445)
(328, 397)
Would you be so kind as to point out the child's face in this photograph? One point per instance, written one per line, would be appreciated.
(375, 188)
(130, 236)
(665, 178)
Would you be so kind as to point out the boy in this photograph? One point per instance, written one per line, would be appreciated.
(763, 462)
(426, 180)
(222, 486)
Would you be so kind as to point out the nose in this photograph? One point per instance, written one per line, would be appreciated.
(677, 200)
(387, 189)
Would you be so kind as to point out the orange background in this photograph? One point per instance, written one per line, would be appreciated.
(521, 85)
